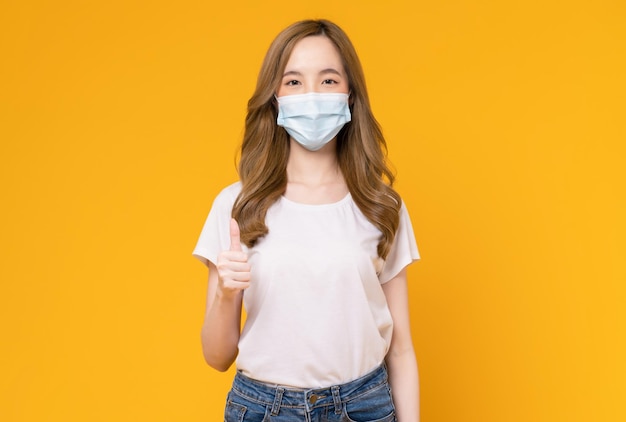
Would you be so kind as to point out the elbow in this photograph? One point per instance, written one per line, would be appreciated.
(218, 366)
(400, 354)
(219, 351)
(218, 362)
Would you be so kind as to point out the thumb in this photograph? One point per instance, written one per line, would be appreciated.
(235, 240)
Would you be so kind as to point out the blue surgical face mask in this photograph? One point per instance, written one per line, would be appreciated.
(313, 119)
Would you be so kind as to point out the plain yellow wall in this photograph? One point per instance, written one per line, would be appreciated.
(119, 122)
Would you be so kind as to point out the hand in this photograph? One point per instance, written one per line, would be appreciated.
(233, 270)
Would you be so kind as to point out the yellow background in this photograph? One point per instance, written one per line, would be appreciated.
(119, 122)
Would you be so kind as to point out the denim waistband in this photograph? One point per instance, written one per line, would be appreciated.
(281, 396)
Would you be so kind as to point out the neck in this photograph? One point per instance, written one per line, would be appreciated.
(313, 168)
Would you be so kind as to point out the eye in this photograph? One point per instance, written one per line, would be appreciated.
(329, 82)
(292, 83)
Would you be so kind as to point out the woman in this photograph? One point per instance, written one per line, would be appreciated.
(315, 243)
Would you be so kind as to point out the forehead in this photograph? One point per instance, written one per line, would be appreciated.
(316, 51)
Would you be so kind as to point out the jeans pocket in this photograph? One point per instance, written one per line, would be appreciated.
(239, 409)
(375, 405)
(234, 412)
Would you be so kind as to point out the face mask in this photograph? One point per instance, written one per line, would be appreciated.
(313, 119)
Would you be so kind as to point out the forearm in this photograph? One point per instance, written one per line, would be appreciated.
(220, 331)
(404, 382)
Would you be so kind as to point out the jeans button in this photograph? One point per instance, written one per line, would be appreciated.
(313, 398)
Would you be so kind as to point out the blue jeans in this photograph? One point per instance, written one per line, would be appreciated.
(367, 399)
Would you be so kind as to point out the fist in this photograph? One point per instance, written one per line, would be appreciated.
(233, 269)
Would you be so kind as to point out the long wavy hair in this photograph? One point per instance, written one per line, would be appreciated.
(361, 147)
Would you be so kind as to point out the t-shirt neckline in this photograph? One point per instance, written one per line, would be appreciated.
(317, 206)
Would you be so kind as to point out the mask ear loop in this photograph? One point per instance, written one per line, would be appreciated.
(275, 103)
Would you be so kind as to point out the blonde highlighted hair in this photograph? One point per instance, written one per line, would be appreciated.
(361, 148)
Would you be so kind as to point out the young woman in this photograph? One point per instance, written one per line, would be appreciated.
(314, 242)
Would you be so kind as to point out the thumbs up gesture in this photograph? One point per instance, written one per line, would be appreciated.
(232, 265)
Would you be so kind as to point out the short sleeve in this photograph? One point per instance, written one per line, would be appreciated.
(215, 235)
(403, 250)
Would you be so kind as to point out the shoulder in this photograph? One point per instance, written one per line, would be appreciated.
(225, 199)
(229, 193)
(231, 190)
(403, 208)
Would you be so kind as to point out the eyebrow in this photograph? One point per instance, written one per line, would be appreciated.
(322, 72)
(292, 72)
(330, 70)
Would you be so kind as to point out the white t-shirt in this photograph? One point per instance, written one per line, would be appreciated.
(316, 312)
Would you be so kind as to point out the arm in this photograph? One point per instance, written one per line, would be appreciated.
(222, 320)
(403, 374)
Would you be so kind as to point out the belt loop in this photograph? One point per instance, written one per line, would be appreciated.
(336, 399)
(277, 399)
